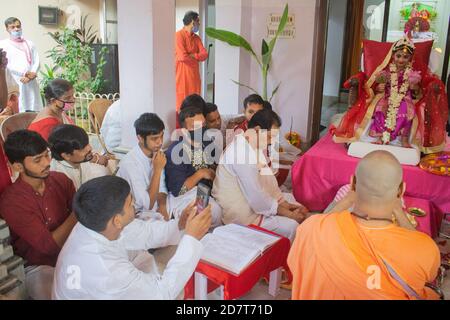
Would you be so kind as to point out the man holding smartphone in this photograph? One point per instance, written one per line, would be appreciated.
(190, 161)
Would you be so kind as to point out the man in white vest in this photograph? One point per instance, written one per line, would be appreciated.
(23, 64)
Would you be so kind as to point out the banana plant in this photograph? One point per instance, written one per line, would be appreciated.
(264, 60)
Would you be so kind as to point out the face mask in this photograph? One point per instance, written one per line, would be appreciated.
(16, 35)
(68, 106)
(197, 134)
(195, 29)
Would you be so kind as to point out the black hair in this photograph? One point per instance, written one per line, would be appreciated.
(210, 107)
(56, 88)
(10, 21)
(100, 199)
(267, 105)
(189, 17)
(265, 119)
(194, 100)
(253, 99)
(24, 143)
(188, 112)
(67, 138)
(148, 124)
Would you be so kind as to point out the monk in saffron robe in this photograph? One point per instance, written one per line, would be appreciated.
(189, 51)
(362, 254)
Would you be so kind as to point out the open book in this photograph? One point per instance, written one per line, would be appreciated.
(234, 247)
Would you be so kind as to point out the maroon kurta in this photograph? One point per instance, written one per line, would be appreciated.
(32, 218)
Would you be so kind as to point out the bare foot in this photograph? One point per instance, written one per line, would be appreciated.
(378, 141)
(406, 144)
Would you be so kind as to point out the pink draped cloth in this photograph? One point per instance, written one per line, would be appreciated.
(325, 168)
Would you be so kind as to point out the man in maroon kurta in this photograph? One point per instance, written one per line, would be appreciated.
(37, 209)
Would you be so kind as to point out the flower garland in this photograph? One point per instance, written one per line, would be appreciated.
(395, 99)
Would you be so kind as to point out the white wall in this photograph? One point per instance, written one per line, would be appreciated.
(292, 61)
(147, 71)
(335, 43)
(183, 6)
(232, 63)
(27, 12)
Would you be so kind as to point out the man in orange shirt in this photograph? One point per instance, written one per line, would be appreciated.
(189, 51)
(362, 254)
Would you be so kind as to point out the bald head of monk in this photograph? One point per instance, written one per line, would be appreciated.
(378, 183)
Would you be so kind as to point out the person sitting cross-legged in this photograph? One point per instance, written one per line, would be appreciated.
(362, 254)
(245, 186)
(95, 263)
(72, 154)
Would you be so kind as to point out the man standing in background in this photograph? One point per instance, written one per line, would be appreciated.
(23, 64)
(189, 51)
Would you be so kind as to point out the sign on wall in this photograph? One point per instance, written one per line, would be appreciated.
(273, 23)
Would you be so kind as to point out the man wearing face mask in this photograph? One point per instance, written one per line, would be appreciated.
(23, 64)
(191, 160)
(72, 153)
(189, 51)
(37, 208)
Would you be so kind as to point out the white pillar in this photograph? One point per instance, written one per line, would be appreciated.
(146, 33)
(232, 63)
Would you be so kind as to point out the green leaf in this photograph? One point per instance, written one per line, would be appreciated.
(232, 39)
(244, 85)
(284, 18)
(274, 92)
(264, 48)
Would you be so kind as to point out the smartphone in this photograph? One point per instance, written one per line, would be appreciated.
(203, 194)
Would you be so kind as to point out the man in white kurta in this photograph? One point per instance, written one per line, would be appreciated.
(98, 264)
(72, 155)
(79, 173)
(23, 63)
(138, 169)
(247, 190)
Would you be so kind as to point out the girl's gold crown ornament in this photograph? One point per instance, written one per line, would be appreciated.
(405, 45)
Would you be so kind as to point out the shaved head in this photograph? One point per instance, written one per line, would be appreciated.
(379, 178)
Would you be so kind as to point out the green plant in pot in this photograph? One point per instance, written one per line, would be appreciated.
(264, 60)
(72, 57)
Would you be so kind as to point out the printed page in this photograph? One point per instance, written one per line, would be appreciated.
(247, 236)
(227, 253)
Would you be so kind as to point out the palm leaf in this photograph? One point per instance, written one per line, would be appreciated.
(232, 39)
(244, 85)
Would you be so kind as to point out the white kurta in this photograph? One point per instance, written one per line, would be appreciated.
(87, 171)
(93, 267)
(111, 129)
(247, 190)
(137, 169)
(30, 97)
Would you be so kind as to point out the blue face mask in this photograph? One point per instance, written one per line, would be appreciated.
(195, 29)
(16, 34)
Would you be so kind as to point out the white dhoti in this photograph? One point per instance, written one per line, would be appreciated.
(284, 226)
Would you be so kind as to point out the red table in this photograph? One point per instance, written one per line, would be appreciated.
(235, 286)
(326, 167)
